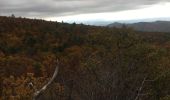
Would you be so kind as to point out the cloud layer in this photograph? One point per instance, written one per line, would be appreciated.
(57, 8)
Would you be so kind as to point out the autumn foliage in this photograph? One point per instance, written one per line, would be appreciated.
(96, 63)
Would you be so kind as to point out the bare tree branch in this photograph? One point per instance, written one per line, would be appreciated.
(140, 88)
(37, 93)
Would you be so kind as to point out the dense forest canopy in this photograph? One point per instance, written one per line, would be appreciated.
(96, 63)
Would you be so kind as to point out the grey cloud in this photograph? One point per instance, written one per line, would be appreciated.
(55, 8)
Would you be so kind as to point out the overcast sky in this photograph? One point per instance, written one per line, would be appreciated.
(87, 10)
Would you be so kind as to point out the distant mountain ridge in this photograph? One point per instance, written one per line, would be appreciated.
(157, 26)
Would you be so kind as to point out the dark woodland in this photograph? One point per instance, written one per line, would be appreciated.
(95, 63)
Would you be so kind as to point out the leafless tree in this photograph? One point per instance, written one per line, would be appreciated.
(39, 92)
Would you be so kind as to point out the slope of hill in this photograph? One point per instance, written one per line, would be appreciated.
(158, 26)
(95, 63)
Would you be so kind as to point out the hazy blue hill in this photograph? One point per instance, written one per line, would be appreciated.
(157, 26)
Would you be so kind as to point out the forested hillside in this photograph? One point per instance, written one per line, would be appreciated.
(95, 63)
